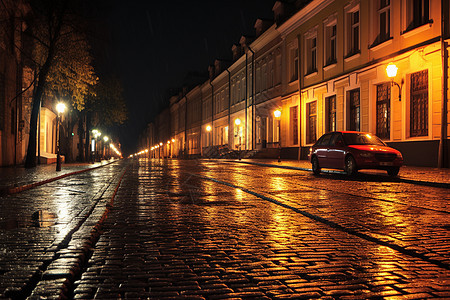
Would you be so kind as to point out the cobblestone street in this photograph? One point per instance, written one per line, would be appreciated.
(175, 233)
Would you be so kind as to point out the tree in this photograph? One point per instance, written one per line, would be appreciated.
(108, 103)
(62, 58)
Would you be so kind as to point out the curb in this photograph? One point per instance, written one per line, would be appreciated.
(15, 190)
(395, 179)
(61, 281)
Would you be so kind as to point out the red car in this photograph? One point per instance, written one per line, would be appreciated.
(351, 151)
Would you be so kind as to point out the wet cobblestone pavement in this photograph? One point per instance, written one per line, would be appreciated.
(210, 230)
(45, 231)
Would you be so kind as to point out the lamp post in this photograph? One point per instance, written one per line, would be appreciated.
(238, 123)
(105, 140)
(96, 134)
(60, 108)
(160, 146)
(172, 148)
(277, 115)
(391, 71)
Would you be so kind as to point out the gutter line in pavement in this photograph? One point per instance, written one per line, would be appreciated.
(394, 179)
(334, 224)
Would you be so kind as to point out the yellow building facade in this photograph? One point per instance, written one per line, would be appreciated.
(324, 67)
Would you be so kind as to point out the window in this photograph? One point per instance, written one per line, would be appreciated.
(13, 121)
(330, 103)
(294, 124)
(311, 126)
(276, 130)
(294, 64)
(352, 18)
(383, 110)
(311, 55)
(278, 69)
(330, 44)
(384, 20)
(354, 110)
(271, 70)
(419, 104)
(417, 13)
(264, 77)
(2, 100)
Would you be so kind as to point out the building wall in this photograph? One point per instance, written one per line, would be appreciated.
(325, 67)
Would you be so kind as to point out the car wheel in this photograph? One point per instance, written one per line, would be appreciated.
(393, 171)
(350, 166)
(315, 165)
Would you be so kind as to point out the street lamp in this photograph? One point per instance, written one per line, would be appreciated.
(172, 148)
(277, 115)
(208, 129)
(96, 134)
(391, 71)
(160, 146)
(60, 108)
(105, 140)
(238, 123)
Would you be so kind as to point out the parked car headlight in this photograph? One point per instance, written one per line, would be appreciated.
(366, 154)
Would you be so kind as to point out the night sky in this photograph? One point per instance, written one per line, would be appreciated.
(154, 45)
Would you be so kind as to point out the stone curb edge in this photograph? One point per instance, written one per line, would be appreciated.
(61, 284)
(15, 190)
(410, 181)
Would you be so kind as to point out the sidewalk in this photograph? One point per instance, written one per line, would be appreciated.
(409, 174)
(14, 179)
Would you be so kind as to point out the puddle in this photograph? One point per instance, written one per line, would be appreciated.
(40, 219)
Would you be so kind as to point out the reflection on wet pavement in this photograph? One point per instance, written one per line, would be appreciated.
(184, 236)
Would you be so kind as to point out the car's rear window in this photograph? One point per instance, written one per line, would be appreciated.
(362, 139)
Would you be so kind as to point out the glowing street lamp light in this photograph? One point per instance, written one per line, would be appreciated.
(208, 130)
(60, 108)
(277, 115)
(391, 71)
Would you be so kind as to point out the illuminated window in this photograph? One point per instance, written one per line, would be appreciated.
(330, 111)
(311, 112)
(353, 110)
(419, 104)
(294, 124)
(383, 110)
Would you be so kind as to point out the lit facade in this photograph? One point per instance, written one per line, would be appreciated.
(325, 68)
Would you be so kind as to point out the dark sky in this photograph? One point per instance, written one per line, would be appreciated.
(155, 44)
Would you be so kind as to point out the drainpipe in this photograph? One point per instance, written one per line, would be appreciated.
(212, 113)
(229, 104)
(444, 55)
(300, 85)
(253, 96)
(185, 126)
(201, 122)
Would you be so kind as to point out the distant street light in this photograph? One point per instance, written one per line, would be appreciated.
(277, 115)
(60, 108)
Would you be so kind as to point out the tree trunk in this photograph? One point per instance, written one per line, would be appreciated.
(81, 149)
(88, 126)
(30, 161)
